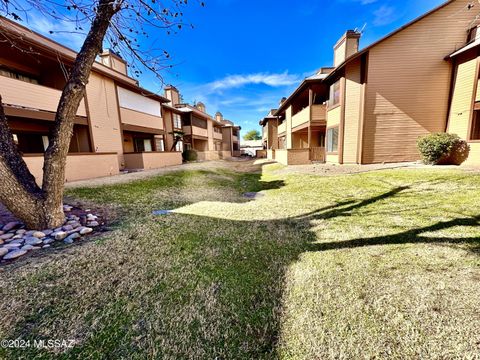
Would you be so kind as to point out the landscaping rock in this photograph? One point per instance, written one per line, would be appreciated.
(11, 225)
(48, 241)
(14, 254)
(33, 241)
(60, 235)
(93, 224)
(45, 246)
(17, 241)
(12, 246)
(67, 228)
(85, 230)
(3, 251)
(20, 231)
(27, 247)
(6, 236)
(74, 236)
(39, 234)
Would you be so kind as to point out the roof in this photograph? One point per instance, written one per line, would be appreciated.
(270, 116)
(467, 47)
(316, 78)
(365, 50)
(42, 42)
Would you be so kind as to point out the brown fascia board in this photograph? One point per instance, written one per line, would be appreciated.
(198, 112)
(340, 67)
(173, 109)
(54, 49)
(292, 96)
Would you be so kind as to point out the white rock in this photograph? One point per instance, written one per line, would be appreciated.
(39, 234)
(85, 230)
(21, 232)
(48, 241)
(45, 246)
(6, 236)
(3, 251)
(59, 235)
(93, 223)
(27, 247)
(11, 225)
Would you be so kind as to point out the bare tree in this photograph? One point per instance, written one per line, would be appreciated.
(118, 23)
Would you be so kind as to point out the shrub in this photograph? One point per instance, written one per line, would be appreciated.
(442, 148)
(189, 155)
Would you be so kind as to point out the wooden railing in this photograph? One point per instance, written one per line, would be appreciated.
(317, 154)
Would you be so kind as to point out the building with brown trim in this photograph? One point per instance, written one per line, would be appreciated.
(118, 126)
(376, 102)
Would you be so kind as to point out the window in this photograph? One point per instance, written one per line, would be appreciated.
(334, 94)
(475, 130)
(177, 121)
(179, 146)
(332, 140)
(142, 145)
(15, 75)
(159, 144)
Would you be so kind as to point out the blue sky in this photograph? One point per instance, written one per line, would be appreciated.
(241, 57)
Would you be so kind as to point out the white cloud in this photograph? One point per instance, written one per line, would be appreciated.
(236, 81)
(63, 30)
(384, 15)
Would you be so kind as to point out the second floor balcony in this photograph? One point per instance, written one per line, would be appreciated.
(314, 113)
(24, 94)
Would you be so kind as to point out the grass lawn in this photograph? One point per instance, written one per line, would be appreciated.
(378, 265)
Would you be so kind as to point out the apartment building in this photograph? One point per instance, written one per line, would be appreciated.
(119, 125)
(374, 104)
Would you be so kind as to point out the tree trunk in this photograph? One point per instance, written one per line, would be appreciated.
(42, 208)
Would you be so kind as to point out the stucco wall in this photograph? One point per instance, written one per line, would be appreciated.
(152, 160)
(79, 166)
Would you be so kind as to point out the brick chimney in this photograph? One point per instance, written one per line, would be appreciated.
(172, 94)
(219, 116)
(200, 106)
(346, 46)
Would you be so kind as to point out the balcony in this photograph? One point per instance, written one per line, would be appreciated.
(317, 113)
(282, 127)
(217, 136)
(137, 118)
(197, 131)
(152, 160)
(24, 94)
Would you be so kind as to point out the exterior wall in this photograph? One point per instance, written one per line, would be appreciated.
(353, 89)
(152, 160)
(271, 154)
(407, 91)
(293, 156)
(301, 117)
(213, 155)
(131, 100)
(288, 122)
(79, 166)
(227, 139)
(339, 54)
(104, 116)
(167, 118)
(261, 154)
(133, 117)
(211, 145)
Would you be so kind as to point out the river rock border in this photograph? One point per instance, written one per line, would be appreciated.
(16, 240)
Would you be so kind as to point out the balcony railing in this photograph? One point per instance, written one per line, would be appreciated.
(217, 136)
(33, 96)
(282, 127)
(301, 117)
(318, 114)
(196, 131)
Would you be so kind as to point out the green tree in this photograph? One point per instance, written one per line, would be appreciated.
(252, 135)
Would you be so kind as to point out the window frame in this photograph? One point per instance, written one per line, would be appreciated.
(332, 95)
(327, 140)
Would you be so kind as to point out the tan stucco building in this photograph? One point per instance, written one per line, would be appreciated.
(118, 126)
(374, 104)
